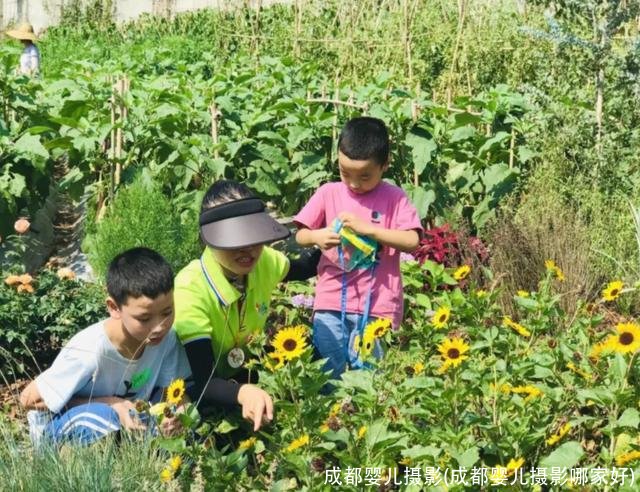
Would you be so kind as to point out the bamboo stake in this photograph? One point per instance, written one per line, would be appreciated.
(215, 116)
(112, 149)
(334, 129)
(454, 59)
(415, 113)
(512, 147)
(118, 149)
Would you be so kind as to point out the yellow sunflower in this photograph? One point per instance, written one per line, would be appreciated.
(290, 342)
(418, 368)
(529, 390)
(298, 443)
(276, 361)
(518, 328)
(453, 352)
(625, 458)
(166, 475)
(157, 409)
(368, 342)
(613, 290)
(379, 327)
(522, 293)
(247, 443)
(335, 409)
(557, 436)
(462, 272)
(175, 392)
(362, 431)
(175, 463)
(514, 465)
(627, 338)
(604, 347)
(581, 372)
(551, 266)
(441, 316)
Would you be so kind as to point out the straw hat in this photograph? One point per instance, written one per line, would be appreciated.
(24, 31)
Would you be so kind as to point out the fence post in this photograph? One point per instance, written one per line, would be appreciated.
(215, 116)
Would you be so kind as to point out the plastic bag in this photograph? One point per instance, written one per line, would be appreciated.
(355, 251)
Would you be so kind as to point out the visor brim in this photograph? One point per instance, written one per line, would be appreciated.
(243, 231)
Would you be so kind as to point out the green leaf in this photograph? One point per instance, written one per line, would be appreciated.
(629, 418)
(422, 199)
(173, 445)
(30, 144)
(467, 459)
(462, 133)
(493, 142)
(224, 427)
(422, 147)
(567, 456)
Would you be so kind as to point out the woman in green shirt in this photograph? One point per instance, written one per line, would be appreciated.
(223, 297)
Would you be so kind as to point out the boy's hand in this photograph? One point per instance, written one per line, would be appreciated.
(356, 224)
(257, 405)
(326, 238)
(122, 408)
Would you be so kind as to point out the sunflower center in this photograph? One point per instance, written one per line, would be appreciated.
(626, 338)
(176, 393)
(378, 332)
(453, 353)
(442, 318)
(615, 292)
(290, 345)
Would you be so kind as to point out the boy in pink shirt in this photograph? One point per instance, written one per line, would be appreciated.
(370, 207)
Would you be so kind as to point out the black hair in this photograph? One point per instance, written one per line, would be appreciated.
(224, 191)
(365, 138)
(138, 272)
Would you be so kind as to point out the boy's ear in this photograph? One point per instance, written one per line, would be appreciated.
(112, 307)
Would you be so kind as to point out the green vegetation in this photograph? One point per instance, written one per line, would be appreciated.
(519, 126)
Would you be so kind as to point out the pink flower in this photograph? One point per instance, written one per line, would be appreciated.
(22, 226)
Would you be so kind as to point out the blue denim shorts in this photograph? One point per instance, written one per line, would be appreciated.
(336, 343)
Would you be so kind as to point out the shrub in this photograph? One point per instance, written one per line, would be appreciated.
(142, 215)
(36, 322)
(537, 228)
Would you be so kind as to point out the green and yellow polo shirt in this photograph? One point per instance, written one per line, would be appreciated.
(207, 304)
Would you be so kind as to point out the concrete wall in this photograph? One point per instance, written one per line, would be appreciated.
(43, 13)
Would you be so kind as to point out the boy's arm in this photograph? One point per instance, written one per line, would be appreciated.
(31, 399)
(405, 241)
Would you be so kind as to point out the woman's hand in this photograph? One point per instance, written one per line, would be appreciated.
(172, 426)
(257, 405)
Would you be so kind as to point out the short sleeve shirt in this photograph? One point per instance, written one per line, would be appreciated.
(90, 366)
(207, 303)
(385, 206)
(30, 60)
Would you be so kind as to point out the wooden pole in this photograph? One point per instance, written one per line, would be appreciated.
(122, 87)
(112, 149)
(414, 117)
(215, 115)
(512, 148)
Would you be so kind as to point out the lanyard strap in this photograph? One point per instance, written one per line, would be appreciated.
(343, 304)
(226, 307)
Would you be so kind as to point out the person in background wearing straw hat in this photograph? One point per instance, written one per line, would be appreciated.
(30, 58)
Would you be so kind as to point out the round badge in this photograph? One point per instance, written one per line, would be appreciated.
(235, 358)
